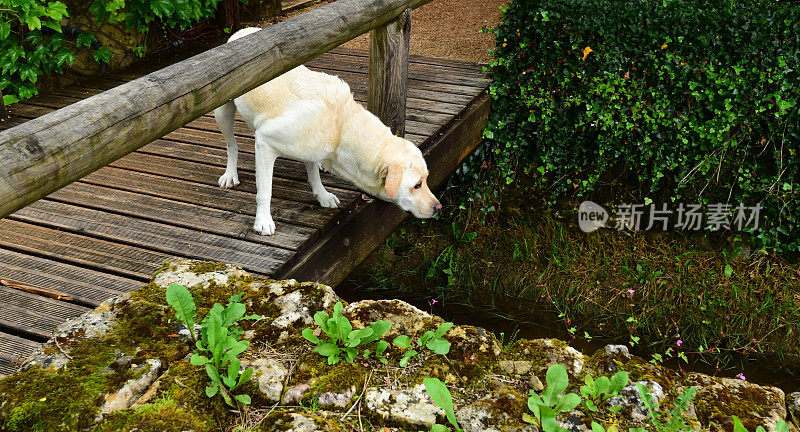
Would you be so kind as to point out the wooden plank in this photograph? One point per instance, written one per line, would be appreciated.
(203, 219)
(61, 310)
(423, 73)
(208, 174)
(80, 250)
(155, 236)
(14, 349)
(47, 153)
(86, 285)
(388, 72)
(308, 214)
(342, 248)
(31, 315)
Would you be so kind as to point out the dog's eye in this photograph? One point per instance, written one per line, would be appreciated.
(418, 185)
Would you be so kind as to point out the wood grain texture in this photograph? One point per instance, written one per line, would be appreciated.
(45, 154)
(88, 286)
(13, 349)
(388, 72)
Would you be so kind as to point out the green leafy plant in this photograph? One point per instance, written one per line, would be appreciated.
(441, 396)
(551, 402)
(31, 44)
(595, 392)
(447, 259)
(342, 340)
(675, 420)
(597, 427)
(781, 426)
(139, 15)
(698, 106)
(379, 328)
(219, 344)
(432, 339)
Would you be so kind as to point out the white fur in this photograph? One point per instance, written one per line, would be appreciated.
(312, 117)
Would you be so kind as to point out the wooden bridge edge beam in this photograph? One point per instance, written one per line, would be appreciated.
(342, 249)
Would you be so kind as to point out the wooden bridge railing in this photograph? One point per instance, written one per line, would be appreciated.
(49, 152)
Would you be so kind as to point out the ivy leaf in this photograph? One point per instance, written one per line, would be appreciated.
(102, 54)
(33, 22)
(85, 39)
(9, 99)
(162, 8)
(28, 72)
(64, 56)
(56, 10)
(5, 30)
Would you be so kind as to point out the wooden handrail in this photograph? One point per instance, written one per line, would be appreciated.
(47, 153)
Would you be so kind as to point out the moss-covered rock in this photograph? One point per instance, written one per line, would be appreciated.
(718, 399)
(126, 366)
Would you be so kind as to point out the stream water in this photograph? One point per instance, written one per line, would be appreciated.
(759, 371)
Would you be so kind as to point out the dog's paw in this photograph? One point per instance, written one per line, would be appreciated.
(228, 180)
(264, 225)
(327, 199)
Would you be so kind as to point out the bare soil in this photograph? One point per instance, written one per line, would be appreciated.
(443, 28)
(450, 29)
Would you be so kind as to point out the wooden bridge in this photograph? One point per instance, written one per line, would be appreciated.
(103, 181)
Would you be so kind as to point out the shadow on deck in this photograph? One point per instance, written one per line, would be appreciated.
(110, 231)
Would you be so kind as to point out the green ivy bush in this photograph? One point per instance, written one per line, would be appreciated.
(139, 15)
(670, 101)
(32, 42)
(25, 51)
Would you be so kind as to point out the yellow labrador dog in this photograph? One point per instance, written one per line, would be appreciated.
(312, 117)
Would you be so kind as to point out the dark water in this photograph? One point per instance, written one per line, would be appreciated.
(759, 371)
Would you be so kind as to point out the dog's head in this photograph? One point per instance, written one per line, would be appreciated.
(405, 181)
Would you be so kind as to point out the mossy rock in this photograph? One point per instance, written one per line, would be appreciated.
(163, 415)
(718, 399)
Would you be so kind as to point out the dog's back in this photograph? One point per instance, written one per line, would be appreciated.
(274, 97)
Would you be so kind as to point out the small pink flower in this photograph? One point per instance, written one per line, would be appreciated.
(679, 342)
(741, 376)
(631, 291)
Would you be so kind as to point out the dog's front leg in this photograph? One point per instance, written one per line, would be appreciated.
(265, 161)
(225, 118)
(325, 198)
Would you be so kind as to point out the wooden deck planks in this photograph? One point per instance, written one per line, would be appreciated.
(12, 350)
(110, 231)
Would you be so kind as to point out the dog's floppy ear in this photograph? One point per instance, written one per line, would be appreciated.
(394, 176)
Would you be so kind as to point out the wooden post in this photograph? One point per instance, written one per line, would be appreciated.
(3, 112)
(388, 72)
(228, 14)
